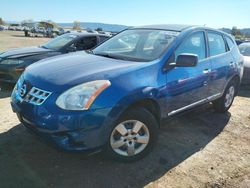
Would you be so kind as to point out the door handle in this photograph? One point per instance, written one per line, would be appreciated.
(231, 64)
(206, 71)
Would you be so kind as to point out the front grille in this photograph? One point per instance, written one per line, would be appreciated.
(37, 96)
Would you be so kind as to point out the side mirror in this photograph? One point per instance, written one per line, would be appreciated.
(186, 60)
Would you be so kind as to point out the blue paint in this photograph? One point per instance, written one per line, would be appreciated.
(131, 81)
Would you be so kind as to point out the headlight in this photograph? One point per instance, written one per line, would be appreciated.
(81, 96)
(12, 61)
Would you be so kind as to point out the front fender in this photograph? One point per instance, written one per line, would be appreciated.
(146, 93)
(123, 104)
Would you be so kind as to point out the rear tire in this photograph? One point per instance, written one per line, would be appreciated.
(223, 104)
(133, 136)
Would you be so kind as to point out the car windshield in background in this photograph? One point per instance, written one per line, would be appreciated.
(245, 49)
(137, 44)
(59, 42)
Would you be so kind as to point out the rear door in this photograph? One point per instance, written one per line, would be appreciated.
(188, 86)
(221, 62)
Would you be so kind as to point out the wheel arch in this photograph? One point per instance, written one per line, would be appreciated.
(150, 105)
(236, 79)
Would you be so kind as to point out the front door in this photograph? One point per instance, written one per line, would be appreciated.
(188, 86)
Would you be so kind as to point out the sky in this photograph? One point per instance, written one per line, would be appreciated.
(212, 13)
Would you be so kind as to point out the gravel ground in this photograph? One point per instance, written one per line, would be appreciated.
(198, 149)
(15, 39)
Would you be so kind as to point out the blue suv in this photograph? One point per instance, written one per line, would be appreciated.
(115, 97)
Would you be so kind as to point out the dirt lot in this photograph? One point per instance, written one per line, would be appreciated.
(15, 39)
(198, 149)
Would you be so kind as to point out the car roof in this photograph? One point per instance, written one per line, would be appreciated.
(178, 27)
(171, 27)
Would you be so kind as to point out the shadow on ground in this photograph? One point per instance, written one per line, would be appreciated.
(25, 161)
(5, 90)
(244, 90)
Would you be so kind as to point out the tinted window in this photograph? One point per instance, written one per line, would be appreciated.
(86, 43)
(216, 44)
(195, 44)
(103, 38)
(230, 43)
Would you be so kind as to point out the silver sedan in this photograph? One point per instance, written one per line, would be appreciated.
(245, 51)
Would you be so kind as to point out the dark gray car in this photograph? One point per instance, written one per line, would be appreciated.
(14, 62)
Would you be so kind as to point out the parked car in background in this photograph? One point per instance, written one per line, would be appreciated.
(238, 41)
(115, 97)
(14, 62)
(4, 27)
(12, 28)
(1, 28)
(245, 51)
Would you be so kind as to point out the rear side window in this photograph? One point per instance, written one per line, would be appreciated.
(194, 44)
(216, 44)
(230, 43)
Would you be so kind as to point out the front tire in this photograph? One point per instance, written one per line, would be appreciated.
(223, 104)
(133, 136)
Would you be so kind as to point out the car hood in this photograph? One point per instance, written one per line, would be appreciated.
(23, 52)
(64, 71)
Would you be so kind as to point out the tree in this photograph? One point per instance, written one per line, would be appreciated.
(2, 22)
(235, 32)
(76, 25)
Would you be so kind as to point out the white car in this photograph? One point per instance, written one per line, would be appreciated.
(245, 51)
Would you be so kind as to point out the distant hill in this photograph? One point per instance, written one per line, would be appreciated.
(226, 30)
(118, 27)
(245, 31)
(93, 25)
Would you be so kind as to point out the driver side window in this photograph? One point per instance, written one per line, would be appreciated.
(194, 44)
(85, 43)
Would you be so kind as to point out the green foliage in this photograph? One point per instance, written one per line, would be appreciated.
(76, 25)
(235, 32)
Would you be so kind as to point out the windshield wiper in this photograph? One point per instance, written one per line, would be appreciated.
(120, 57)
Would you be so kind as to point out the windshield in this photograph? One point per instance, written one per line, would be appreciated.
(59, 42)
(137, 44)
(245, 49)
